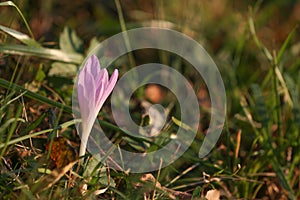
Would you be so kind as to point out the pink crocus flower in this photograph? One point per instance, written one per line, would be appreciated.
(94, 86)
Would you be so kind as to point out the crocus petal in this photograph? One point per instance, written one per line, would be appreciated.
(105, 77)
(89, 87)
(82, 102)
(103, 82)
(94, 87)
(112, 82)
(108, 88)
(99, 94)
(93, 65)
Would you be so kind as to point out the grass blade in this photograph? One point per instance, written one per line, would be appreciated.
(285, 44)
(256, 40)
(49, 180)
(34, 124)
(53, 54)
(25, 137)
(20, 36)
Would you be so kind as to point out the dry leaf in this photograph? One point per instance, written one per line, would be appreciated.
(61, 152)
(213, 195)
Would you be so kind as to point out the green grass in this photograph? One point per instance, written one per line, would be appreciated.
(257, 155)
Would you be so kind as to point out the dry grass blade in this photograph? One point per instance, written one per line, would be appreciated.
(49, 180)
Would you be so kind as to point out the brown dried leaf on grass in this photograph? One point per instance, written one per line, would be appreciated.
(213, 195)
(61, 152)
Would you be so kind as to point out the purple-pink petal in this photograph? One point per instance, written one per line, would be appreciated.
(99, 93)
(112, 82)
(109, 85)
(94, 87)
(93, 65)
